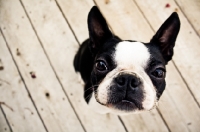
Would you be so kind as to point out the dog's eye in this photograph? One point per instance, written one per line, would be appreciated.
(101, 66)
(159, 73)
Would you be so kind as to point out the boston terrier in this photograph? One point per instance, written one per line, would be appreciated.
(124, 76)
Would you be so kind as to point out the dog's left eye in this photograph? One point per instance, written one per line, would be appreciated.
(159, 73)
(101, 66)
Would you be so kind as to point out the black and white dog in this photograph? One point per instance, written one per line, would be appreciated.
(124, 76)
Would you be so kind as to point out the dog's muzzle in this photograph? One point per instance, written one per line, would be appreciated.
(126, 92)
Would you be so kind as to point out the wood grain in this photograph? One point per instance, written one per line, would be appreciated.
(40, 90)
(127, 6)
(61, 46)
(191, 10)
(3, 124)
(187, 49)
(11, 99)
(77, 17)
(47, 93)
(127, 27)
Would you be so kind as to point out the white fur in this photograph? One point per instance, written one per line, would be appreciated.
(102, 109)
(131, 57)
(105, 84)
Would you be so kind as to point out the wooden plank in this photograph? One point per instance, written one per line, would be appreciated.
(77, 18)
(187, 59)
(171, 114)
(187, 49)
(127, 15)
(128, 27)
(45, 89)
(144, 122)
(22, 117)
(61, 46)
(123, 19)
(3, 124)
(182, 99)
(191, 9)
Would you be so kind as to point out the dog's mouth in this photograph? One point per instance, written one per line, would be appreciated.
(126, 105)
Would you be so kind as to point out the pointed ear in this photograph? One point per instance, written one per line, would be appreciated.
(98, 29)
(165, 37)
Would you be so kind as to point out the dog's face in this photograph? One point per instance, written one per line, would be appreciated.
(129, 76)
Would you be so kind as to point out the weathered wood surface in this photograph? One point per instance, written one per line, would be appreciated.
(43, 36)
(3, 124)
(191, 9)
(14, 99)
(187, 49)
(132, 15)
(61, 46)
(126, 27)
(46, 91)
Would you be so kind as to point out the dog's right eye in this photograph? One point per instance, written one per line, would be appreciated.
(159, 73)
(101, 66)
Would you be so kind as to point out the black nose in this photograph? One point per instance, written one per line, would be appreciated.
(128, 81)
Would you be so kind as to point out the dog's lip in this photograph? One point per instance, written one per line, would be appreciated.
(126, 105)
(130, 103)
(126, 101)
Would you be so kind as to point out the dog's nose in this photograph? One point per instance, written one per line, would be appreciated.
(128, 81)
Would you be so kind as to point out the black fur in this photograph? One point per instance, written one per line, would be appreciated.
(83, 63)
(101, 44)
(166, 36)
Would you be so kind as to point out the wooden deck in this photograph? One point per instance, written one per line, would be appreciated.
(39, 90)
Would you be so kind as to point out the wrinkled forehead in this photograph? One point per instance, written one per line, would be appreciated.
(131, 55)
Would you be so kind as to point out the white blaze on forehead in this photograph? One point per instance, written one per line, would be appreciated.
(131, 54)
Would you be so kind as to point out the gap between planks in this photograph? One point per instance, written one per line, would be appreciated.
(67, 22)
(5, 117)
(23, 81)
(187, 20)
(117, 116)
(154, 31)
(56, 59)
(77, 41)
(172, 59)
(186, 89)
(51, 63)
(79, 45)
(157, 109)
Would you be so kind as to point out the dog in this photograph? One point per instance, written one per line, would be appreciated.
(124, 76)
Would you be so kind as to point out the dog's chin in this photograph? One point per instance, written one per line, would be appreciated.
(125, 105)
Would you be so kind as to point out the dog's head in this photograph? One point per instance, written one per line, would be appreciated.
(129, 76)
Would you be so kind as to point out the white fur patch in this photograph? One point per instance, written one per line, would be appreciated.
(131, 55)
(104, 86)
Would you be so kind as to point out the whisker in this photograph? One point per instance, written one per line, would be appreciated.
(90, 88)
(88, 96)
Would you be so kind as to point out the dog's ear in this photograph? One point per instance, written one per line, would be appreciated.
(98, 29)
(165, 37)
